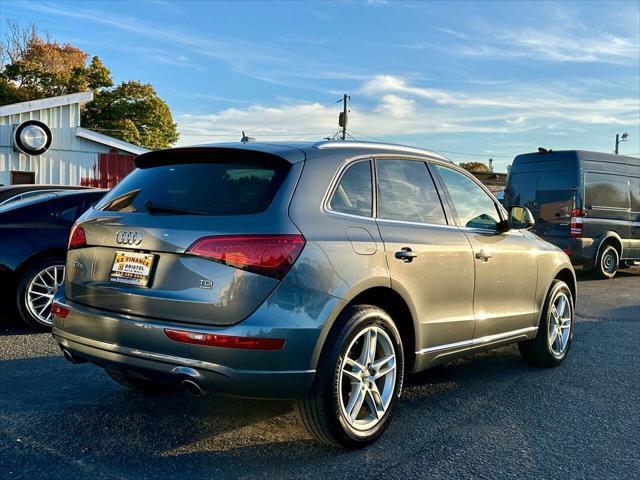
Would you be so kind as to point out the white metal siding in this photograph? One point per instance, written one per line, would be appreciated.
(68, 161)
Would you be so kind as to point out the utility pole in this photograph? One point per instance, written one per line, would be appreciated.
(617, 143)
(342, 119)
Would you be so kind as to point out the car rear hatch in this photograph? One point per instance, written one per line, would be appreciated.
(192, 235)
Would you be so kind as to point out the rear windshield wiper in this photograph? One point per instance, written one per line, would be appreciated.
(155, 208)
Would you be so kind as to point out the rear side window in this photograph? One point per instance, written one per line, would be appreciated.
(217, 188)
(406, 192)
(606, 190)
(353, 195)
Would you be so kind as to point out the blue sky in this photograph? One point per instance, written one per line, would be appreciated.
(471, 79)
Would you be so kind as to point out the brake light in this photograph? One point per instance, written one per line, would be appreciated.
(77, 238)
(576, 223)
(59, 311)
(271, 255)
(224, 341)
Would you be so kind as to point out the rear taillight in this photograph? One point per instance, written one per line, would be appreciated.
(271, 255)
(59, 311)
(575, 224)
(77, 238)
(224, 341)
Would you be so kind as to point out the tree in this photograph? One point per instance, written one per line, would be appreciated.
(135, 113)
(475, 167)
(33, 67)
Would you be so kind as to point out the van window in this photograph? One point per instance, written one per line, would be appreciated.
(406, 192)
(606, 190)
(354, 194)
(521, 189)
(635, 193)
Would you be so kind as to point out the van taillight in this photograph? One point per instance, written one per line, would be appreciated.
(575, 224)
(77, 238)
(271, 255)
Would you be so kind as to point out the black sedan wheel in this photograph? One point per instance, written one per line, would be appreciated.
(36, 288)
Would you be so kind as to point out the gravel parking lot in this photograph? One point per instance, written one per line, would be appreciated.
(489, 416)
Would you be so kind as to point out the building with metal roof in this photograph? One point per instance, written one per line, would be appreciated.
(41, 141)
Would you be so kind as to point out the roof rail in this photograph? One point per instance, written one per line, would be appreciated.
(377, 145)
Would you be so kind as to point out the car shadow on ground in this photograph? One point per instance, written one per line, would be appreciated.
(98, 418)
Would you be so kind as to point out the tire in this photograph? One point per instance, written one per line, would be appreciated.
(35, 290)
(137, 384)
(541, 351)
(606, 265)
(323, 410)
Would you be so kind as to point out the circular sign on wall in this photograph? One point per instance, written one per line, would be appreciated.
(32, 137)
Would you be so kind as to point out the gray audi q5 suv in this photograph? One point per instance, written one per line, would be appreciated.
(322, 272)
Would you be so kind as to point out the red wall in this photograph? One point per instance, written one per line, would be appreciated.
(110, 169)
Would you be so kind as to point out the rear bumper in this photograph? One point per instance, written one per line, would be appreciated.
(139, 345)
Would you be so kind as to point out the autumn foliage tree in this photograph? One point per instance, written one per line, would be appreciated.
(33, 67)
(476, 167)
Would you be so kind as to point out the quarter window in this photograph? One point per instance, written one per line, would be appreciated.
(474, 206)
(354, 193)
(406, 192)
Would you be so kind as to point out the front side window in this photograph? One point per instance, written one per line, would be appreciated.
(406, 192)
(354, 195)
(474, 206)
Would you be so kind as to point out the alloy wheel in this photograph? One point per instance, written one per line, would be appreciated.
(40, 291)
(559, 324)
(367, 378)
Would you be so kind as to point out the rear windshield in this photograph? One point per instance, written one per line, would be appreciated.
(220, 188)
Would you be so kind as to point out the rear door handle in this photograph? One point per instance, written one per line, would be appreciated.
(484, 256)
(406, 254)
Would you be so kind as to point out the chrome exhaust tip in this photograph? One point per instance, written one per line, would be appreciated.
(67, 354)
(192, 388)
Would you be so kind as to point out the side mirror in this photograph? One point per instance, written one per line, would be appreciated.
(520, 218)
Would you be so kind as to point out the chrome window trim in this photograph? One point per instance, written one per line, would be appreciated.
(474, 342)
(418, 224)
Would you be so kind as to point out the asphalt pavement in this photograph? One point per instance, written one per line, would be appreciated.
(488, 416)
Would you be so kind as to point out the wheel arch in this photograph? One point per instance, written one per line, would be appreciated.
(610, 238)
(568, 277)
(389, 300)
(50, 253)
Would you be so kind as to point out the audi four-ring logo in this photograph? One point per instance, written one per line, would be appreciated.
(129, 238)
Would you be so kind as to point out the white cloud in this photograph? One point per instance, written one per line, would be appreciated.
(390, 106)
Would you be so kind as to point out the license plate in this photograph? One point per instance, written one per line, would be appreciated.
(132, 268)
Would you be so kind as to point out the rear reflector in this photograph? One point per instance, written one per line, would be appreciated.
(224, 341)
(77, 238)
(59, 311)
(576, 224)
(271, 255)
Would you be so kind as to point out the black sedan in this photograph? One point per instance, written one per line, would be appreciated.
(33, 242)
(18, 192)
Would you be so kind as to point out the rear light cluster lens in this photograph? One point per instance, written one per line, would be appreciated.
(77, 238)
(224, 341)
(576, 224)
(270, 255)
(59, 311)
